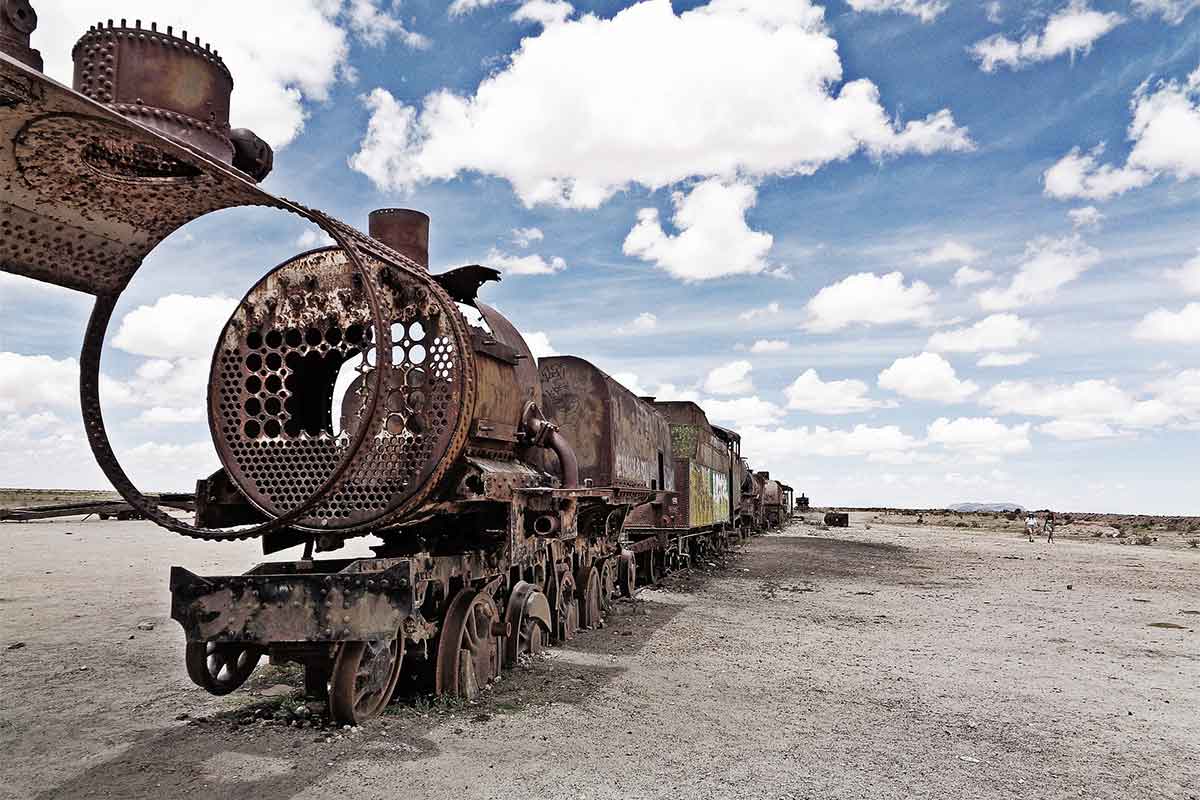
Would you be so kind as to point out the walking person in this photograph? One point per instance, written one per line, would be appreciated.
(1048, 527)
(1030, 525)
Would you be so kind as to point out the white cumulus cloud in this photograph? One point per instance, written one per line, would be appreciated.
(742, 412)
(1005, 359)
(754, 313)
(925, 10)
(539, 344)
(927, 376)
(543, 12)
(731, 378)
(175, 326)
(870, 299)
(1048, 265)
(567, 123)
(769, 346)
(713, 240)
(1164, 325)
(985, 438)
(809, 393)
(532, 264)
(641, 324)
(1086, 405)
(996, 332)
(1072, 29)
(951, 252)
(969, 276)
(1164, 130)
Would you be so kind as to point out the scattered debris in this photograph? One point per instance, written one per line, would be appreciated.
(19, 645)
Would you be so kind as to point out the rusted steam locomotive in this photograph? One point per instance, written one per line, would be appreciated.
(512, 503)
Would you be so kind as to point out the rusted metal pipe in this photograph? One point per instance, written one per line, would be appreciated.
(566, 459)
(404, 230)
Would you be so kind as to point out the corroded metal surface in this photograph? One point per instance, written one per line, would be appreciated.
(160, 80)
(271, 403)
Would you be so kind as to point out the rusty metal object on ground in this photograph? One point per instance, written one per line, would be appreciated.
(837, 519)
(17, 21)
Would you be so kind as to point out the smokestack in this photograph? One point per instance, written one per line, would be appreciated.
(404, 230)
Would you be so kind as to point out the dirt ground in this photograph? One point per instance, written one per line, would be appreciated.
(889, 661)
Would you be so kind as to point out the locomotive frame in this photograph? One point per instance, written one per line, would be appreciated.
(491, 544)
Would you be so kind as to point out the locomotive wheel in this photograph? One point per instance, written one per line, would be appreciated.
(468, 654)
(608, 583)
(363, 679)
(627, 574)
(220, 667)
(588, 581)
(653, 567)
(528, 619)
(564, 607)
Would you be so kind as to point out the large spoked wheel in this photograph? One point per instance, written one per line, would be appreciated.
(587, 580)
(363, 679)
(221, 667)
(469, 652)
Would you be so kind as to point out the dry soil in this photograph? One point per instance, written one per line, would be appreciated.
(889, 661)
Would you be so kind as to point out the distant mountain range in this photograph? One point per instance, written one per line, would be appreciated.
(987, 507)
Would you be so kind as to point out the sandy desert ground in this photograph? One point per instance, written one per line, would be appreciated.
(888, 660)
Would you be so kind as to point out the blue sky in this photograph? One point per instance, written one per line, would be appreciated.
(815, 219)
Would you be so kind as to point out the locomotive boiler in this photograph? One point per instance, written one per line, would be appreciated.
(351, 393)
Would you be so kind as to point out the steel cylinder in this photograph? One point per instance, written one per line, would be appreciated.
(404, 230)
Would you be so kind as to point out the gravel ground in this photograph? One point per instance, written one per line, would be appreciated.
(876, 662)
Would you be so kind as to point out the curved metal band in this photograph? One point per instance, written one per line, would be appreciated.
(93, 415)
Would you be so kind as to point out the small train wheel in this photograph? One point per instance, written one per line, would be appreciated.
(363, 679)
(627, 574)
(468, 651)
(588, 581)
(220, 667)
(608, 583)
(564, 607)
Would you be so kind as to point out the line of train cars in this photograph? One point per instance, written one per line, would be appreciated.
(352, 393)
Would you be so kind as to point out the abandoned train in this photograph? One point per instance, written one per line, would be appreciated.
(513, 500)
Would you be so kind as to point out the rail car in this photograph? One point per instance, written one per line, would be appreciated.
(509, 510)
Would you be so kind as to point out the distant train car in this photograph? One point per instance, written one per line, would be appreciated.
(772, 501)
(737, 474)
(702, 470)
